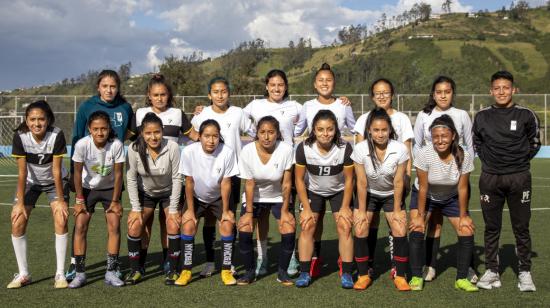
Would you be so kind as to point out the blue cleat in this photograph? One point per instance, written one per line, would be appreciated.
(347, 281)
(303, 281)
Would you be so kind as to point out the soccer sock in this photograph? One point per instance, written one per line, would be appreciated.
(361, 253)
(347, 267)
(261, 248)
(371, 242)
(209, 237)
(142, 257)
(165, 252)
(401, 256)
(246, 248)
(134, 247)
(227, 244)
(80, 263)
(305, 266)
(173, 251)
(287, 248)
(432, 247)
(73, 260)
(417, 251)
(317, 249)
(188, 244)
(391, 246)
(61, 251)
(112, 262)
(464, 256)
(20, 248)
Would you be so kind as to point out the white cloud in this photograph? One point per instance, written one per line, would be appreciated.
(456, 6)
(153, 61)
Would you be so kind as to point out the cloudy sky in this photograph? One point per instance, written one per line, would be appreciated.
(43, 41)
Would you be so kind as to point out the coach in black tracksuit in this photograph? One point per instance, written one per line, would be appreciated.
(506, 138)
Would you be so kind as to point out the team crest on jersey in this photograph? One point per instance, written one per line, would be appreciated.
(276, 166)
(282, 112)
(170, 121)
(218, 170)
(228, 125)
(117, 119)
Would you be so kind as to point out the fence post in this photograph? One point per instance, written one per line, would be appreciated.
(398, 102)
(545, 126)
(74, 109)
(183, 103)
(362, 104)
(472, 107)
(16, 98)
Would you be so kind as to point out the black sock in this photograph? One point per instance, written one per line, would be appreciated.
(112, 262)
(361, 253)
(464, 256)
(80, 263)
(317, 249)
(227, 251)
(401, 256)
(432, 248)
(305, 266)
(142, 257)
(246, 248)
(73, 261)
(417, 251)
(392, 248)
(347, 267)
(371, 242)
(173, 251)
(187, 246)
(165, 253)
(209, 237)
(287, 248)
(134, 246)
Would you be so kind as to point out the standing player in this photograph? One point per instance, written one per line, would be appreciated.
(506, 138)
(443, 170)
(208, 167)
(266, 166)
(39, 147)
(153, 178)
(380, 164)
(98, 162)
(325, 159)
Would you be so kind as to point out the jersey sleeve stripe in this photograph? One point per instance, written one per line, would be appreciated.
(298, 165)
(18, 156)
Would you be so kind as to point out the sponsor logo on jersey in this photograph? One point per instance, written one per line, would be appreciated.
(513, 125)
(485, 198)
(526, 197)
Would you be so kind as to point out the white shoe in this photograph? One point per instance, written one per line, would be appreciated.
(489, 280)
(19, 281)
(60, 282)
(429, 273)
(525, 283)
(472, 276)
(208, 269)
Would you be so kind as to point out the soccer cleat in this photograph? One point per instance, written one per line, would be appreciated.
(489, 280)
(112, 279)
(416, 283)
(78, 282)
(525, 283)
(170, 278)
(184, 278)
(164, 267)
(429, 273)
(227, 278)
(303, 281)
(60, 282)
(71, 272)
(401, 283)
(19, 281)
(293, 266)
(465, 285)
(362, 283)
(134, 277)
(315, 269)
(261, 267)
(472, 276)
(208, 269)
(346, 281)
(282, 278)
(370, 272)
(248, 278)
(393, 272)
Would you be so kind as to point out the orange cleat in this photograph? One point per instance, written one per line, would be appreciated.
(362, 283)
(401, 283)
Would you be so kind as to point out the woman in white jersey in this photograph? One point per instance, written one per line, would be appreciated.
(325, 159)
(443, 170)
(380, 165)
(152, 172)
(266, 165)
(39, 147)
(208, 167)
(175, 126)
(440, 102)
(98, 163)
(382, 93)
(324, 83)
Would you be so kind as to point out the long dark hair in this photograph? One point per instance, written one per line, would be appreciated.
(383, 80)
(325, 115)
(211, 122)
(429, 107)
(273, 122)
(140, 145)
(158, 79)
(275, 73)
(102, 115)
(377, 114)
(42, 105)
(456, 150)
(114, 75)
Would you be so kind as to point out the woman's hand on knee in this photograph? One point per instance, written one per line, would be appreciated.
(173, 222)
(135, 220)
(287, 223)
(60, 211)
(246, 222)
(18, 212)
(116, 208)
(466, 226)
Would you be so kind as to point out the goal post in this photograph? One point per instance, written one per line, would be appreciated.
(8, 165)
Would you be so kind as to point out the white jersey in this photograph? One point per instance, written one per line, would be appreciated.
(286, 112)
(174, 123)
(461, 119)
(267, 177)
(400, 122)
(99, 164)
(208, 170)
(233, 122)
(443, 177)
(344, 115)
(380, 180)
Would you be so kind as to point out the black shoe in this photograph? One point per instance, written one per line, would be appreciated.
(248, 278)
(171, 278)
(283, 278)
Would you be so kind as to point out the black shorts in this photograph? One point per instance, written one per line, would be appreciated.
(235, 196)
(92, 197)
(202, 209)
(375, 203)
(260, 207)
(33, 192)
(448, 208)
(162, 201)
(318, 202)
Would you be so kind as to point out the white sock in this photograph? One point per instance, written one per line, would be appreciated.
(20, 248)
(61, 251)
(262, 248)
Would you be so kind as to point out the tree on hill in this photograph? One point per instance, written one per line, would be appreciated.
(446, 6)
(352, 34)
(518, 11)
(297, 54)
(185, 74)
(124, 71)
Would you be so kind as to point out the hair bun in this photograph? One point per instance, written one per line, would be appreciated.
(157, 77)
(324, 67)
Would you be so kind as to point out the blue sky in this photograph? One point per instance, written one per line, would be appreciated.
(44, 41)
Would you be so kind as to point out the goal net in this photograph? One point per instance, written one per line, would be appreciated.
(8, 165)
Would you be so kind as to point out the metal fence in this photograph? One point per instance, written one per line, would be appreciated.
(65, 106)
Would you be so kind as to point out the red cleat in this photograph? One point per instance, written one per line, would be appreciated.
(315, 269)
